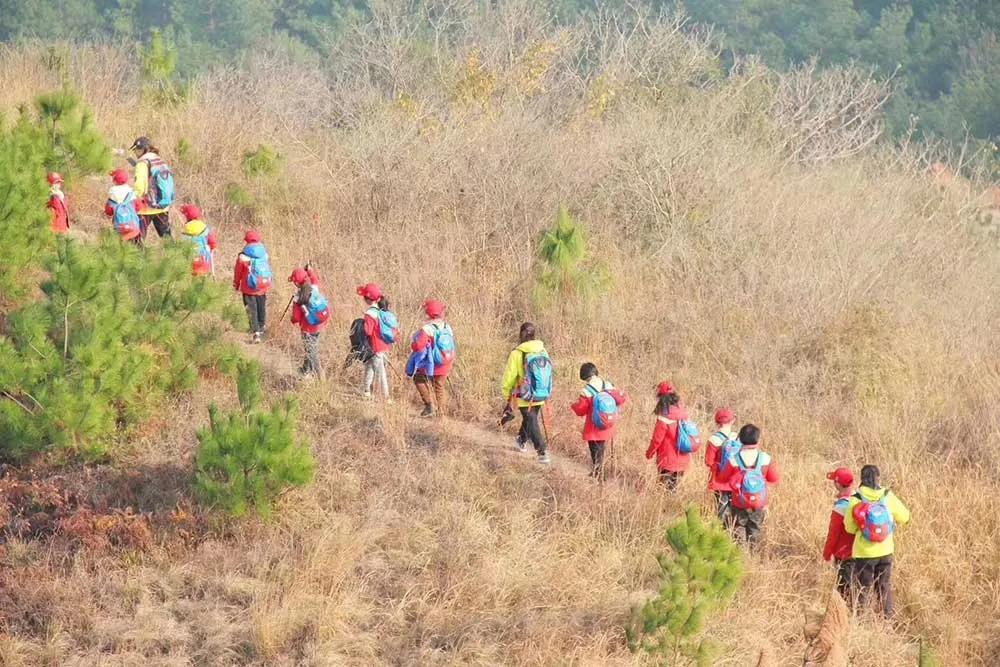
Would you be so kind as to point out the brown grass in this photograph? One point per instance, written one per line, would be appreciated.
(845, 307)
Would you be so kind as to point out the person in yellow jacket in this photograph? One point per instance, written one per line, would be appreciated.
(527, 382)
(151, 210)
(872, 516)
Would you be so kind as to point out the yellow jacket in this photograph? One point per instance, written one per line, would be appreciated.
(513, 374)
(862, 547)
(141, 186)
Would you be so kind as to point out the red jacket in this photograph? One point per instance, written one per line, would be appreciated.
(839, 543)
(240, 274)
(734, 476)
(664, 442)
(713, 450)
(372, 329)
(299, 310)
(60, 214)
(584, 407)
(424, 339)
(201, 266)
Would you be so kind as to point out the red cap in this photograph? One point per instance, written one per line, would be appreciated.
(841, 476)
(724, 416)
(191, 212)
(54, 177)
(119, 177)
(665, 387)
(371, 291)
(433, 308)
(251, 237)
(299, 277)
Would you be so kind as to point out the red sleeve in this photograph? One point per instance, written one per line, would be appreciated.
(296, 314)
(109, 210)
(620, 397)
(371, 326)
(422, 340)
(771, 473)
(659, 434)
(212, 242)
(313, 276)
(832, 534)
(730, 476)
(711, 455)
(238, 272)
(582, 406)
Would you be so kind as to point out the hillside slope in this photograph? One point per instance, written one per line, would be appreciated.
(845, 306)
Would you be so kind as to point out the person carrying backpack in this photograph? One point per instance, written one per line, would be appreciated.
(382, 331)
(57, 205)
(252, 277)
(154, 185)
(839, 544)
(527, 382)
(674, 437)
(598, 404)
(311, 312)
(720, 451)
(122, 208)
(432, 356)
(203, 239)
(748, 482)
(872, 516)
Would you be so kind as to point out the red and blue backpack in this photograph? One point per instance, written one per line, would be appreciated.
(603, 407)
(688, 437)
(728, 451)
(874, 518)
(317, 309)
(752, 491)
(125, 219)
(444, 344)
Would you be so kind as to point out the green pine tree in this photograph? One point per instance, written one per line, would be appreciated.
(700, 576)
(247, 457)
(566, 272)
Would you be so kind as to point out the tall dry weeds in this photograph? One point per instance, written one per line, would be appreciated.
(846, 307)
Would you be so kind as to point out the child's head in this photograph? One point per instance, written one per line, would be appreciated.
(119, 177)
(587, 371)
(749, 435)
(55, 179)
(724, 417)
(434, 309)
(870, 476)
(371, 293)
(143, 145)
(383, 302)
(843, 479)
(666, 401)
(527, 332)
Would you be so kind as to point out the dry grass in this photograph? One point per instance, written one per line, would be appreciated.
(845, 307)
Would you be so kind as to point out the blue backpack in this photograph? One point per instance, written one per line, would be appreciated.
(688, 438)
(537, 385)
(444, 345)
(125, 219)
(161, 181)
(317, 310)
(604, 408)
(260, 275)
(388, 326)
(201, 246)
(727, 452)
(874, 518)
(753, 487)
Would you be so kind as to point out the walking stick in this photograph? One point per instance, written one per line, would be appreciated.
(287, 306)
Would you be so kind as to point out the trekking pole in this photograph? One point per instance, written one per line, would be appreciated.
(287, 306)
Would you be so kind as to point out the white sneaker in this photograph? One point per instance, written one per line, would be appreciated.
(367, 396)
(544, 459)
(520, 445)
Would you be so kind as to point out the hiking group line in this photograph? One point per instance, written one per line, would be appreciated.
(741, 474)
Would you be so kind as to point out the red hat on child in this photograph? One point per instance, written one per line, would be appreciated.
(55, 177)
(434, 308)
(371, 291)
(665, 388)
(841, 476)
(119, 177)
(299, 277)
(724, 416)
(251, 237)
(191, 212)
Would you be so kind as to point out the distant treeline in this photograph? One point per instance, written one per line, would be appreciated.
(945, 54)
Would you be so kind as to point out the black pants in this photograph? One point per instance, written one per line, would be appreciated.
(845, 578)
(670, 479)
(531, 428)
(597, 456)
(160, 221)
(747, 524)
(256, 306)
(723, 507)
(874, 575)
(310, 342)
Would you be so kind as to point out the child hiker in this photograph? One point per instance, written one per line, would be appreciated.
(121, 207)
(674, 439)
(203, 239)
(382, 330)
(748, 481)
(312, 313)
(252, 278)
(527, 380)
(598, 404)
(719, 451)
(839, 543)
(432, 356)
(57, 204)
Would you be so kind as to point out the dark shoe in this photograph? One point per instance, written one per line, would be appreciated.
(428, 411)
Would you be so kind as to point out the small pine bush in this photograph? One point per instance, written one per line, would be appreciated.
(247, 457)
(263, 161)
(701, 575)
(566, 272)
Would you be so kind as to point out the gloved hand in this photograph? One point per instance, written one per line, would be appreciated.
(507, 415)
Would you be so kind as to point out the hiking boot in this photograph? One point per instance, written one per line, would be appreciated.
(256, 337)
(544, 459)
(520, 445)
(428, 411)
